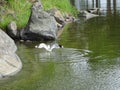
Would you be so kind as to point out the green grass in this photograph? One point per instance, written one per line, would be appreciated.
(62, 5)
(19, 10)
(15, 10)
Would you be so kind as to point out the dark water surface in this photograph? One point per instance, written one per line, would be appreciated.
(90, 59)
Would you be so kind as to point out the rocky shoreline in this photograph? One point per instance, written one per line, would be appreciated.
(42, 26)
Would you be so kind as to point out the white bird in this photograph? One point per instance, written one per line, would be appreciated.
(48, 47)
(90, 15)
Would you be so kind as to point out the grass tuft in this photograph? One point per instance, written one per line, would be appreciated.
(63, 5)
(17, 10)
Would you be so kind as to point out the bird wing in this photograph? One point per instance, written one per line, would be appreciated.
(54, 46)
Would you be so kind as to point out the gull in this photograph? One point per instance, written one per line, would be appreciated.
(48, 47)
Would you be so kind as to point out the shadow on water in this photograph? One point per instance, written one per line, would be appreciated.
(90, 59)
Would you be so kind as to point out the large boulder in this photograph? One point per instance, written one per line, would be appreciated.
(41, 25)
(10, 63)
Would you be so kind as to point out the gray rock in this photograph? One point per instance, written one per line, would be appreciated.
(12, 30)
(6, 43)
(58, 16)
(41, 25)
(69, 18)
(10, 63)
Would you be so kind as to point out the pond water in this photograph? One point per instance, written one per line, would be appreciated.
(90, 59)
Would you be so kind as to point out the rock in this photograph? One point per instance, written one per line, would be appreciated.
(60, 26)
(6, 43)
(10, 63)
(12, 30)
(69, 18)
(41, 25)
(58, 16)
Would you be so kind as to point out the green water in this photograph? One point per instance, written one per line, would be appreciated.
(90, 59)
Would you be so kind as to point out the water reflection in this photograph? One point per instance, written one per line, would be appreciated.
(89, 61)
(63, 55)
(111, 6)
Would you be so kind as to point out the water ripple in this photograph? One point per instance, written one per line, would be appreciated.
(63, 55)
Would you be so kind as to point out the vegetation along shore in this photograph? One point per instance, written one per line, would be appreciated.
(19, 10)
